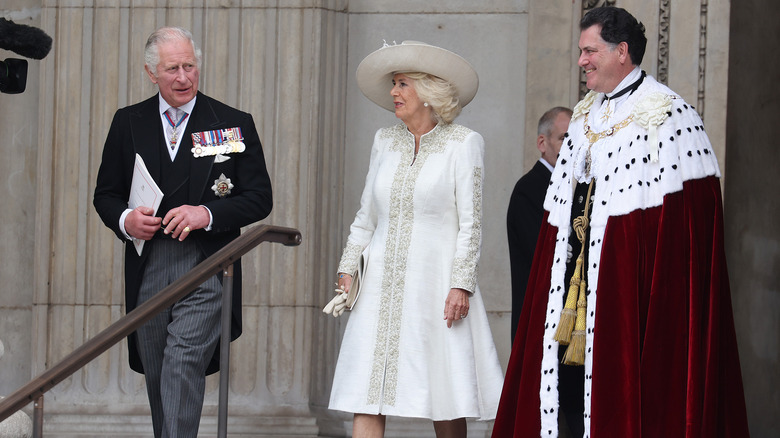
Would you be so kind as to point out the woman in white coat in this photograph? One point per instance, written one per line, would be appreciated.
(418, 343)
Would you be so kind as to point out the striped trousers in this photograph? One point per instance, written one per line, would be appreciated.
(177, 344)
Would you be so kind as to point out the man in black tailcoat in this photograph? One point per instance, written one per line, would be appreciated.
(524, 216)
(207, 159)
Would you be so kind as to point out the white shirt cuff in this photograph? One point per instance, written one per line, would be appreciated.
(122, 223)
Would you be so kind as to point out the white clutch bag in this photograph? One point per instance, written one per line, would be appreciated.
(346, 301)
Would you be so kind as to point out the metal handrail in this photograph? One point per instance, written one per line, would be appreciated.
(221, 260)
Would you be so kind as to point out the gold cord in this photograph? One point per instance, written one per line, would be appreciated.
(572, 324)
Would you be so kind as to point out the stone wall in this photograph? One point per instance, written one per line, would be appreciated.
(752, 206)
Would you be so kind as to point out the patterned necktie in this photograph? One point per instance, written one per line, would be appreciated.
(175, 118)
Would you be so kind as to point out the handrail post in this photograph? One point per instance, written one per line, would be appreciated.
(38, 417)
(224, 350)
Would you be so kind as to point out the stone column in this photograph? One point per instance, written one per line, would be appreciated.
(19, 127)
(752, 206)
(283, 63)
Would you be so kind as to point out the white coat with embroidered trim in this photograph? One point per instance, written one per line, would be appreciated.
(421, 220)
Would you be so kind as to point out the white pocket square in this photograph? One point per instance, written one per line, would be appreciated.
(219, 158)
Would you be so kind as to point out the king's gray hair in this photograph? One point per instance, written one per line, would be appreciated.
(164, 35)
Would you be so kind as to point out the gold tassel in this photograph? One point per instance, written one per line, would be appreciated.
(572, 325)
(575, 352)
(569, 314)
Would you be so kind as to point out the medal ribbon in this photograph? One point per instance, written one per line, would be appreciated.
(175, 126)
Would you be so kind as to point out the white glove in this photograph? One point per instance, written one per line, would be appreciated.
(337, 305)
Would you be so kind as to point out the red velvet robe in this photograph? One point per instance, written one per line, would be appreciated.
(662, 346)
(665, 360)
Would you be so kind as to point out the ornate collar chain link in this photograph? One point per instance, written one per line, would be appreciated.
(593, 137)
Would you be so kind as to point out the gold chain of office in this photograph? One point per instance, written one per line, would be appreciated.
(593, 137)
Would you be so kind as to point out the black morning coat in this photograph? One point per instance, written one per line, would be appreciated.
(138, 129)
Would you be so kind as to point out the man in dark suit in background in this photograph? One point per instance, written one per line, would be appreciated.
(524, 217)
(207, 159)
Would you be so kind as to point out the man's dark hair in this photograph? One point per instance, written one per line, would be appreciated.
(617, 26)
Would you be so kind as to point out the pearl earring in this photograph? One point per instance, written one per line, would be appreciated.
(425, 104)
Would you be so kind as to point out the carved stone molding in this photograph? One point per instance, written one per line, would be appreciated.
(702, 56)
(664, 19)
(590, 4)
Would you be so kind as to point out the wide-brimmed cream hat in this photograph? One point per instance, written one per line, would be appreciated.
(375, 72)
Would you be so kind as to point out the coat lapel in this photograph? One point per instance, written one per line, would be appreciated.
(146, 129)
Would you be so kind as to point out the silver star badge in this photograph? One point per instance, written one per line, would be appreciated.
(222, 186)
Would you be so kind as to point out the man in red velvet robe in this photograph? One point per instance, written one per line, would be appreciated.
(659, 355)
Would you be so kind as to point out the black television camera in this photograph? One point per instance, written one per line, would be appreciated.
(27, 41)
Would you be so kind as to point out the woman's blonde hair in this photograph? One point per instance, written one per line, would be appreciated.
(438, 93)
